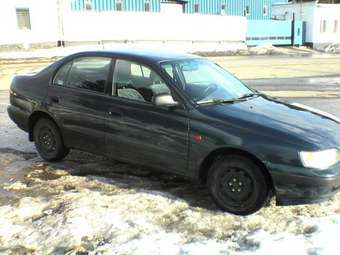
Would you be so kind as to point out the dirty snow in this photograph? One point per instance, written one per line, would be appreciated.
(120, 209)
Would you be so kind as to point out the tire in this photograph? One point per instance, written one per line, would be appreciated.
(48, 140)
(238, 185)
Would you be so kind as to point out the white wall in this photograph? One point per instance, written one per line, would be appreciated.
(43, 15)
(188, 32)
(313, 14)
(303, 11)
(330, 13)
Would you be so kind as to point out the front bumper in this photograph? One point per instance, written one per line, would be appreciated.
(296, 186)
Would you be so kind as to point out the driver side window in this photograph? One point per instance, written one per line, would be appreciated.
(137, 82)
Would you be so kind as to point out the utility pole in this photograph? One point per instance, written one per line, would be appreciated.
(60, 13)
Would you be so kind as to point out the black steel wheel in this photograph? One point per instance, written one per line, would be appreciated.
(238, 185)
(48, 140)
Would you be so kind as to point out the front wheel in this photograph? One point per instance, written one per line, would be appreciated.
(238, 185)
(48, 140)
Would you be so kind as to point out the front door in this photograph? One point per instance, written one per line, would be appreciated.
(139, 131)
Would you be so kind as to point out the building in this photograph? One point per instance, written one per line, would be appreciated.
(230, 25)
(45, 23)
(28, 22)
(322, 19)
(252, 9)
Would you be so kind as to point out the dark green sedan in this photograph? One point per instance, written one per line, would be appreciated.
(181, 114)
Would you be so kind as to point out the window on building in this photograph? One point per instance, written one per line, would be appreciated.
(89, 73)
(265, 10)
(323, 26)
(88, 5)
(335, 28)
(223, 9)
(23, 18)
(196, 8)
(246, 10)
(119, 5)
(147, 5)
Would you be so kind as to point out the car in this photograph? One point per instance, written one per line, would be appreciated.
(184, 115)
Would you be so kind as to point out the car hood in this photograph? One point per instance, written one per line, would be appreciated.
(320, 129)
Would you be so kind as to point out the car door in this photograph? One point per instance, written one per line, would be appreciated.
(140, 132)
(75, 98)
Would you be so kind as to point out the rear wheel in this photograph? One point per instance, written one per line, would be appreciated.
(238, 185)
(48, 140)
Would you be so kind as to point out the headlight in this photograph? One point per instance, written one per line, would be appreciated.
(320, 159)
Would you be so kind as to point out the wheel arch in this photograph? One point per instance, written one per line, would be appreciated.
(34, 117)
(209, 159)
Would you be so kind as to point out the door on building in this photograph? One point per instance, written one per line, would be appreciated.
(172, 7)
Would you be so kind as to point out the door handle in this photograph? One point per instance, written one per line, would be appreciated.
(115, 113)
(54, 99)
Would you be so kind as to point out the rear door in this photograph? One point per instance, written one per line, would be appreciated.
(139, 131)
(76, 98)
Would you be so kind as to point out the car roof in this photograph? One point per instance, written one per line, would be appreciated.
(141, 54)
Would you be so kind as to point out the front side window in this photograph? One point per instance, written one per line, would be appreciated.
(90, 73)
(137, 82)
(202, 80)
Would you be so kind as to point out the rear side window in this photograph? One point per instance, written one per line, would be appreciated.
(90, 73)
(61, 76)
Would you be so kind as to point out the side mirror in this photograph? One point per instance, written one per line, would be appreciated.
(164, 100)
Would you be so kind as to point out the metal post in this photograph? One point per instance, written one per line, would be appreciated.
(293, 29)
(60, 11)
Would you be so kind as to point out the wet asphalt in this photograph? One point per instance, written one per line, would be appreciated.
(323, 83)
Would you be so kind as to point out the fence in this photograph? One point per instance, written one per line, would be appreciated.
(276, 32)
(187, 32)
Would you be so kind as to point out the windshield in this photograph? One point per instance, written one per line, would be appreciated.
(204, 81)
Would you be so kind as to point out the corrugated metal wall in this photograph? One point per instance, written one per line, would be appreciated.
(110, 5)
(276, 32)
(204, 6)
(233, 7)
(256, 8)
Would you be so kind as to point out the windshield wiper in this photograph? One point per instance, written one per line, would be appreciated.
(226, 101)
(217, 101)
(247, 95)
